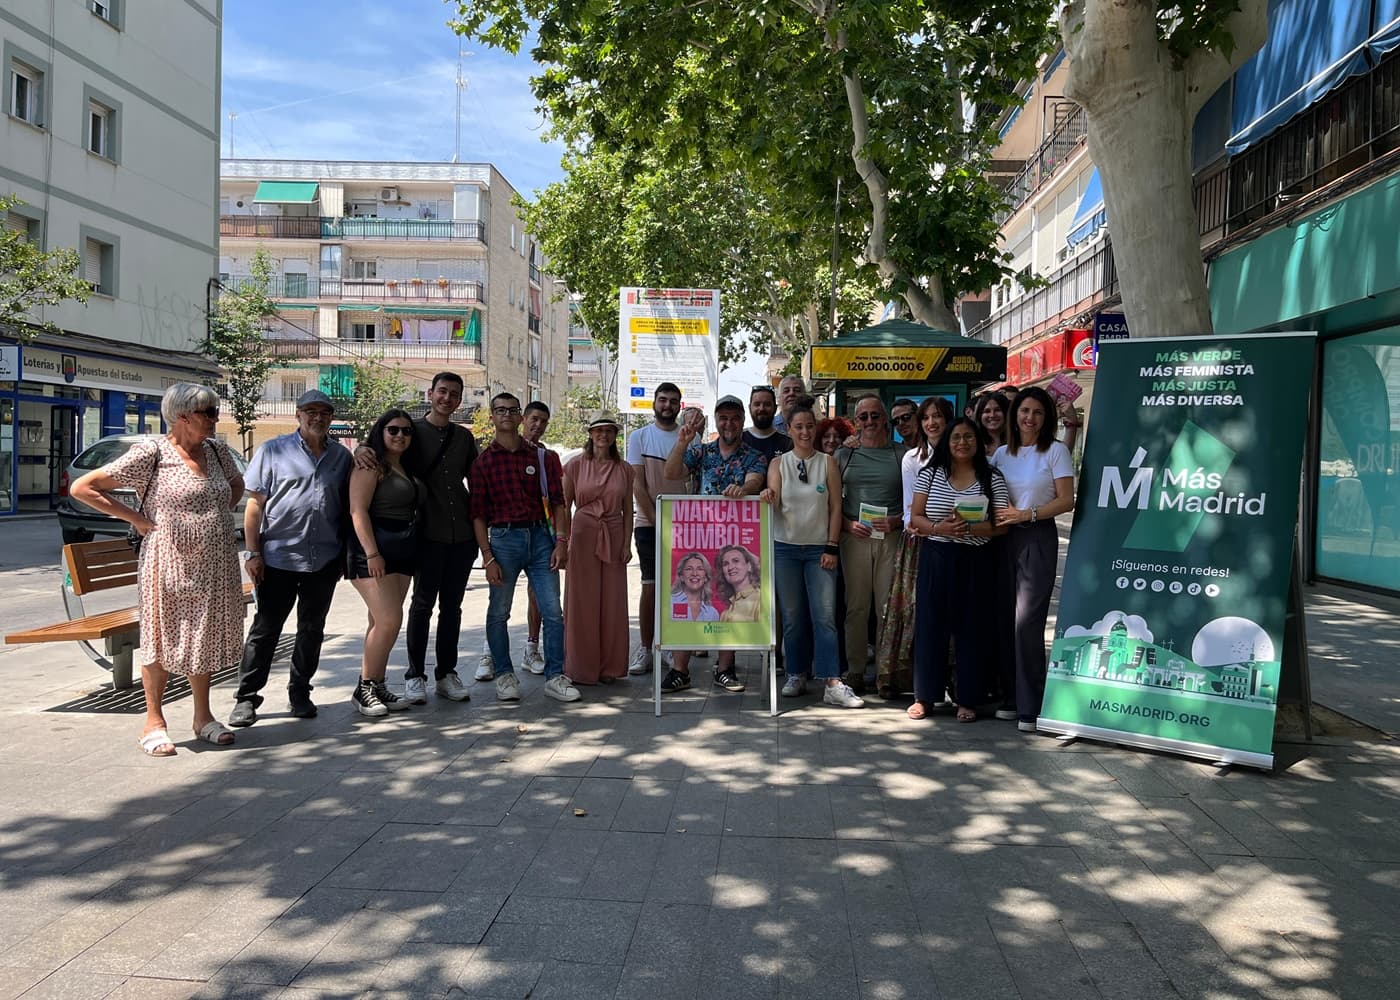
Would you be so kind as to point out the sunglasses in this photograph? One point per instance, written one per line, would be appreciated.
(394, 430)
(801, 470)
(865, 417)
(903, 417)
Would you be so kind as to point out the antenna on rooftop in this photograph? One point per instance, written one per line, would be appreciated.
(461, 89)
(231, 116)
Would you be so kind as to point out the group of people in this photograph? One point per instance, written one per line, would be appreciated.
(939, 538)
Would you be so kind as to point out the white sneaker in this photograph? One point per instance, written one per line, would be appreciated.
(486, 669)
(533, 661)
(507, 688)
(560, 688)
(415, 690)
(794, 686)
(842, 697)
(452, 688)
(641, 662)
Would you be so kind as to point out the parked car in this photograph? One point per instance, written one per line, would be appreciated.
(79, 522)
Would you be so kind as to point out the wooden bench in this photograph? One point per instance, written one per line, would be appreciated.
(90, 568)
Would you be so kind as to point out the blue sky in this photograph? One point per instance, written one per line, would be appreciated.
(288, 66)
(355, 80)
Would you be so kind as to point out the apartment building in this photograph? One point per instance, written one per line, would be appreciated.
(590, 363)
(109, 133)
(422, 267)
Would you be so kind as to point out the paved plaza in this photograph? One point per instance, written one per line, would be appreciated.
(592, 850)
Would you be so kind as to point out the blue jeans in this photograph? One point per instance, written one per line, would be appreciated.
(807, 597)
(526, 549)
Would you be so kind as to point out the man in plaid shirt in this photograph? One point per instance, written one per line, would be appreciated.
(522, 523)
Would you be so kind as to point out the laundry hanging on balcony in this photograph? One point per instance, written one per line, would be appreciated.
(1091, 215)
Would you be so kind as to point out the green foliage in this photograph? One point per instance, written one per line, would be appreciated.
(237, 340)
(568, 425)
(1186, 28)
(377, 387)
(690, 121)
(31, 277)
(481, 426)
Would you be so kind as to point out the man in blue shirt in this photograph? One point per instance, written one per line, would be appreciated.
(294, 530)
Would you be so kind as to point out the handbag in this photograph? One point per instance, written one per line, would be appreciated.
(397, 544)
(134, 538)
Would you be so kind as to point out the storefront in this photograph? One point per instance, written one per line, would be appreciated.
(55, 400)
(1335, 271)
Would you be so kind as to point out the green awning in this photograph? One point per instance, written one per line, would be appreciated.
(429, 311)
(285, 192)
(357, 309)
(288, 306)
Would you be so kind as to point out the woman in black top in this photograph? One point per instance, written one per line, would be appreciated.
(954, 568)
(384, 504)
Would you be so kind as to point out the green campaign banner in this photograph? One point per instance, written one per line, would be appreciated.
(714, 559)
(1175, 589)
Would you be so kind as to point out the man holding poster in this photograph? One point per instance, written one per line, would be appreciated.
(725, 467)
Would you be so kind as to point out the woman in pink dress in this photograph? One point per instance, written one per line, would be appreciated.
(598, 489)
(191, 592)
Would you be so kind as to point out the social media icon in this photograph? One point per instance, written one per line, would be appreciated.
(1139, 584)
(1212, 590)
(1123, 583)
(1176, 587)
(1194, 589)
(1158, 586)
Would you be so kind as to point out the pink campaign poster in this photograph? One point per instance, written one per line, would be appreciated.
(716, 564)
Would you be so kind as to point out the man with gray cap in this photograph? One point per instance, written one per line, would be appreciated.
(293, 527)
(727, 467)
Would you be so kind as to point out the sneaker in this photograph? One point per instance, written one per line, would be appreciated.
(727, 680)
(300, 705)
(1007, 713)
(640, 662)
(794, 686)
(675, 681)
(1026, 725)
(507, 688)
(415, 690)
(486, 669)
(667, 660)
(842, 697)
(391, 701)
(243, 715)
(533, 662)
(450, 686)
(560, 688)
(366, 699)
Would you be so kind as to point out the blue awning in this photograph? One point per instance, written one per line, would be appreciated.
(1385, 28)
(1091, 213)
(1313, 47)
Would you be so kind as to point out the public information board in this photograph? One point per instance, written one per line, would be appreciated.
(668, 335)
(1175, 590)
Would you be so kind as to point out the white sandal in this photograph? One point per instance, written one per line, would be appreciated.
(151, 743)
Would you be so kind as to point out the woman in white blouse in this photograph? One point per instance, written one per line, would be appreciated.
(1040, 477)
(957, 499)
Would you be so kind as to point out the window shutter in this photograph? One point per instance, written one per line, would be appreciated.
(16, 223)
(92, 262)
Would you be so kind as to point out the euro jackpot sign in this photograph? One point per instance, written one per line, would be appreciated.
(907, 364)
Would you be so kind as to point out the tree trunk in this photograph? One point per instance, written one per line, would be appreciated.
(1140, 105)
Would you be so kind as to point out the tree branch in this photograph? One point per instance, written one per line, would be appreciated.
(1208, 69)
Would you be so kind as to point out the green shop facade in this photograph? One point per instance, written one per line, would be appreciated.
(1336, 271)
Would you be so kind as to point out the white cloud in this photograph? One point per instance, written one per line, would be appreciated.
(1136, 624)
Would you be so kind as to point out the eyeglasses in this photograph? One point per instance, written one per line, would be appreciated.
(394, 430)
(317, 413)
(901, 418)
(801, 470)
(864, 417)
(212, 412)
(505, 411)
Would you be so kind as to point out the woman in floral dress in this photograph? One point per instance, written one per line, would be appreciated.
(191, 596)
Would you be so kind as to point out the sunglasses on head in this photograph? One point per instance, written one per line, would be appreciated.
(394, 430)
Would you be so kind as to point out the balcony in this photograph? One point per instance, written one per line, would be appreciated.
(305, 347)
(312, 227)
(1075, 287)
(534, 274)
(1353, 126)
(301, 286)
(1068, 136)
(533, 324)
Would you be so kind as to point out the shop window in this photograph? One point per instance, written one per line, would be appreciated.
(1358, 499)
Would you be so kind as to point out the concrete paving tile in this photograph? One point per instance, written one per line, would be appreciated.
(65, 985)
(699, 807)
(499, 864)
(890, 965)
(424, 968)
(1118, 961)
(858, 813)
(279, 954)
(1042, 959)
(357, 954)
(408, 857)
(562, 864)
(141, 988)
(624, 866)
(666, 953)
(14, 981)
(455, 917)
(543, 800)
(235, 991)
(487, 974)
(805, 811)
(573, 981)
(685, 870)
(599, 799)
(197, 953)
(147, 933)
(646, 805)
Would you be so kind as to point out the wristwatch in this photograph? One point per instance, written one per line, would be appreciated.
(251, 554)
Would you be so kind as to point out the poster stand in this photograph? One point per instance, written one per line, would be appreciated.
(1295, 676)
(716, 636)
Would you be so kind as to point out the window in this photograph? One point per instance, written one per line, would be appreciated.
(24, 93)
(102, 126)
(364, 269)
(100, 264)
(28, 229)
(292, 388)
(361, 331)
(101, 9)
(109, 11)
(330, 260)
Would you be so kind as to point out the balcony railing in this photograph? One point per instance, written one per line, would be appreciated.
(1077, 285)
(290, 347)
(1067, 137)
(299, 286)
(533, 324)
(312, 227)
(1350, 127)
(534, 274)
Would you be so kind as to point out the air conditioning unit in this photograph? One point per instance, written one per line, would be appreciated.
(388, 194)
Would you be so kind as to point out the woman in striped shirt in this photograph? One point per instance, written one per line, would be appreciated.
(956, 499)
